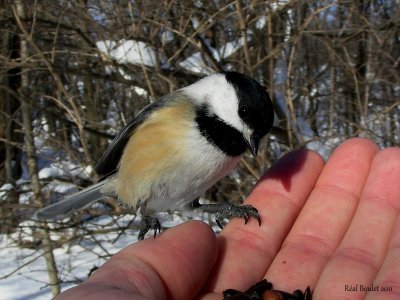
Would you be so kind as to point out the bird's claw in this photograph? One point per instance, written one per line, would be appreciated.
(148, 223)
(237, 211)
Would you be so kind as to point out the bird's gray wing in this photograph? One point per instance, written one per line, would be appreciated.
(108, 163)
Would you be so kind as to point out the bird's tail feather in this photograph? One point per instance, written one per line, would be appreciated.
(72, 203)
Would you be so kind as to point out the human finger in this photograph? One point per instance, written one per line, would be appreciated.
(246, 251)
(387, 282)
(357, 260)
(325, 217)
(175, 265)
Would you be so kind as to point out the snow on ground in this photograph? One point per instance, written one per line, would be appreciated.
(129, 51)
(29, 280)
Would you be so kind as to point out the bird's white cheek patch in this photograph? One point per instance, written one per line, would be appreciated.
(221, 98)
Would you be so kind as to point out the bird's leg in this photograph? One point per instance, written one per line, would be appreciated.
(148, 223)
(229, 211)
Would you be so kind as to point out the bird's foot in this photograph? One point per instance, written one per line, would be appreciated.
(148, 223)
(229, 211)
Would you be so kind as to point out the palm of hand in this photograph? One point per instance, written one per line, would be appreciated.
(334, 227)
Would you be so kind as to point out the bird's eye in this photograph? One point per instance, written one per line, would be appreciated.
(243, 111)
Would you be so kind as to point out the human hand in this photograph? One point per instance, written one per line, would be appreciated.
(334, 227)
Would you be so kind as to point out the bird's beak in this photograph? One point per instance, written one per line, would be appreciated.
(253, 144)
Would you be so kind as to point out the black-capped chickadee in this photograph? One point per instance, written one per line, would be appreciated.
(178, 147)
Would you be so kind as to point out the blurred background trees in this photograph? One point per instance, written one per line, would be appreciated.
(73, 72)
